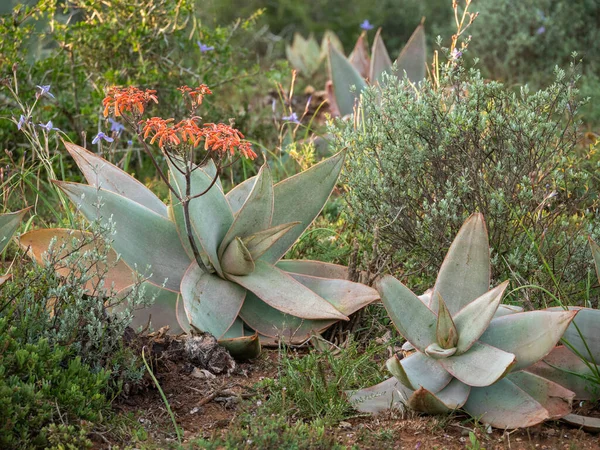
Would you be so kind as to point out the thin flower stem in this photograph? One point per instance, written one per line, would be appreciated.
(186, 215)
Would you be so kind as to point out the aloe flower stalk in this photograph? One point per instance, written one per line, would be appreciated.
(241, 292)
(469, 353)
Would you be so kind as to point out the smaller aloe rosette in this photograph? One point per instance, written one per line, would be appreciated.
(241, 291)
(470, 352)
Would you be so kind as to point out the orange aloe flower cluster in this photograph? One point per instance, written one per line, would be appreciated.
(196, 94)
(220, 138)
(129, 99)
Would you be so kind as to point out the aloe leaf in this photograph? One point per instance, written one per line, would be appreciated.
(334, 109)
(256, 213)
(329, 37)
(425, 372)
(412, 61)
(346, 296)
(389, 394)
(359, 58)
(596, 254)
(344, 76)
(116, 274)
(395, 368)
(554, 398)
(242, 347)
(505, 405)
(301, 198)
(474, 319)
(413, 319)
(239, 194)
(211, 303)
(281, 291)
(465, 272)
(482, 365)
(436, 351)
(380, 61)
(529, 336)
(210, 214)
(314, 268)
(586, 340)
(504, 310)
(139, 232)
(448, 399)
(586, 423)
(9, 223)
(568, 370)
(163, 312)
(446, 333)
(237, 260)
(5, 278)
(258, 243)
(100, 173)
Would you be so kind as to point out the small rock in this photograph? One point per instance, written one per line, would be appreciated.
(195, 410)
(345, 425)
(551, 432)
(203, 374)
(204, 352)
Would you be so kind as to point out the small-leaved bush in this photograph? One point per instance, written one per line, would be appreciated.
(422, 160)
(62, 355)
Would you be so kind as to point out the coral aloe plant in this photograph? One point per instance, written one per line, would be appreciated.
(469, 353)
(360, 68)
(214, 259)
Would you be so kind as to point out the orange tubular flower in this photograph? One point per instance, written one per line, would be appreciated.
(197, 94)
(129, 99)
(224, 138)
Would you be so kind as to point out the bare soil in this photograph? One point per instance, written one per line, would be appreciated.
(205, 406)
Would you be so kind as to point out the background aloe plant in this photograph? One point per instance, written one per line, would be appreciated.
(360, 68)
(239, 290)
(307, 56)
(470, 353)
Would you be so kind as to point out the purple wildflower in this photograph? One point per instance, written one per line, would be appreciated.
(116, 126)
(456, 53)
(44, 90)
(48, 126)
(291, 118)
(204, 48)
(101, 136)
(366, 25)
(22, 121)
(541, 30)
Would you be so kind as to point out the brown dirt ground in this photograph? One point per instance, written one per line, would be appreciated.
(206, 407)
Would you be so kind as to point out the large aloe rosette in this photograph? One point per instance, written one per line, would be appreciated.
(469, 353)
(247, 292)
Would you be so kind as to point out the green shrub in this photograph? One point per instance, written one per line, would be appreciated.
(521, 42)
(41, 384)
(421, 163)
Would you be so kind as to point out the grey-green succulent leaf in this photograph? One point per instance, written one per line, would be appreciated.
(465, 272)
(529, 336)
(9, 222)
(360, 58)
(583, 334)
(555, 398)
(446, 333)
(258, 243)
(424, 372)
(236, 259)
(452, 397)
(256, 212)
(139, 232)
(238, 195)
(389, 394)
(474, 319)
(212, 304)
(100, 173)
(395, 368)
(344, 78)
(314, 186)
(281, 291)
(565, 368)
(436, 351)
(210, 214)
(314, 268)
(482, 365)
(380, 59)
(413, 319)
(412, 61)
